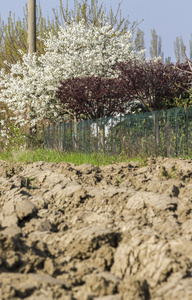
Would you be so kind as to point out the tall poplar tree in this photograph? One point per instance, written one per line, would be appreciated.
(139, 40)
(156, 45)
(179, 49)
(190, 48)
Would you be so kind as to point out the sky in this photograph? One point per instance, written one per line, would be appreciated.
(170, 18)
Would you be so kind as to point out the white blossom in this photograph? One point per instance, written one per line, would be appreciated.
(29, 90)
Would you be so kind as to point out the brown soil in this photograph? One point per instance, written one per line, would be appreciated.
(114, 232)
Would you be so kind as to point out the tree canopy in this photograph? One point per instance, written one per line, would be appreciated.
(92, 97)
(154, 83)
(13, 33)
(29, 90)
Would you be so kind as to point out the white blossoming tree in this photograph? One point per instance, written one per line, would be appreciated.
(29, 90)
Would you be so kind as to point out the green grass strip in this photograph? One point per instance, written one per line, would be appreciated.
(98, 159)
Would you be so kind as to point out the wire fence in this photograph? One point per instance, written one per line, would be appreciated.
(165, 132)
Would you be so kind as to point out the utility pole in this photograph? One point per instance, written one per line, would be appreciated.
(31, 42)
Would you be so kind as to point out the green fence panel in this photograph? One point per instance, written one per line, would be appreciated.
(164, 132)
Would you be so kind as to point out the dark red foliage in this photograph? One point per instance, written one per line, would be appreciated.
(153, 82)
(93, 97)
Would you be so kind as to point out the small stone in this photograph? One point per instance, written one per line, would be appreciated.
(44, 226)
(109, 297)
(10, 220)
(49, 267)
(8, 208)
(12, 231)
(25, 208)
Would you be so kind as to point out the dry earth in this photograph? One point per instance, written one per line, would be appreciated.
(117, 232)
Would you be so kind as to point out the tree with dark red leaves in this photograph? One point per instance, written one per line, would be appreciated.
(154, 83)
(93, 97)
